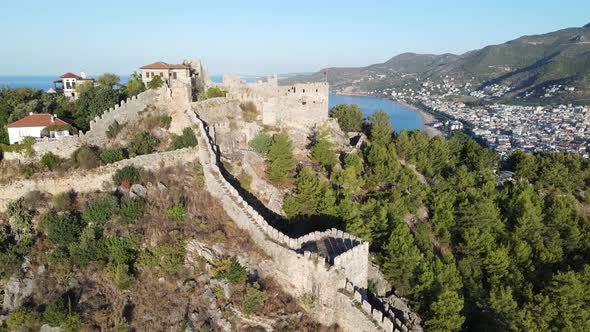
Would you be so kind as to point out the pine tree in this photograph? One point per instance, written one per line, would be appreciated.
(400, 257)
(446, 312)
(306, 197)
(281, 162)
(322, 151)
(381, 130)
(383, 164)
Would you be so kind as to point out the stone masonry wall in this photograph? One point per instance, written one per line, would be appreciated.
(300, 105)
(98, 179)
(127, 111)
(301, 272)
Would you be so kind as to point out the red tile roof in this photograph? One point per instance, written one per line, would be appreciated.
(70, 75)
(37, 120)
(163, 65)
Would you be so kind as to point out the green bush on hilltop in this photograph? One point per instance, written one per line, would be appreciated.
(187, 139)
(142, 143)
(101, 209)
(109, 156)
(50, 161)
(176, 212)
(63, 201)
(127, 175)
(28, 169)
(254, 298)
(131, 210)
(86, 157)
(229, 269)
(261, 142)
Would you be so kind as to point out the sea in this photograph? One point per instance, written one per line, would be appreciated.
(401, 117)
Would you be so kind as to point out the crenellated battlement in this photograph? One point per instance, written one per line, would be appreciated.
(319, 264)
(300, 105)
(381, 312)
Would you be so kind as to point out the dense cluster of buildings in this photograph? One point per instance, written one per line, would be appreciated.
(505, 128)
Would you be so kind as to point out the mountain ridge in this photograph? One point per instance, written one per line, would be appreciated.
(527, 65)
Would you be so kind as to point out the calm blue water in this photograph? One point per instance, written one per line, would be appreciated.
(401, 116)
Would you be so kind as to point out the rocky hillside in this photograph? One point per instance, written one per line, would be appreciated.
(527, 65)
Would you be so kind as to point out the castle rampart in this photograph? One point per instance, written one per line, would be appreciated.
(97, 179)
(324, 276)
(301, 105)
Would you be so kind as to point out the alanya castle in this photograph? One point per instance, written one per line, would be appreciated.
(330, 266)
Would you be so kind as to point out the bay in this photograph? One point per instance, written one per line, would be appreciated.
(401, 116)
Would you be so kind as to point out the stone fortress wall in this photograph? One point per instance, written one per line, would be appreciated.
(300, 105)
(337, 281)
(127, 111)
(97, 179)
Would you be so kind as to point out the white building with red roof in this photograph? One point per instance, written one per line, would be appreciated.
(33, 125)
(167, 72)
(68, 82)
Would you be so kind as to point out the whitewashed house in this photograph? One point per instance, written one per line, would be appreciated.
(33, 125)
(68, 82)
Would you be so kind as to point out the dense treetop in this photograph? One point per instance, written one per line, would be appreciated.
(492, 254)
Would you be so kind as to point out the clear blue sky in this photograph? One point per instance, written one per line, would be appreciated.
(257, 37)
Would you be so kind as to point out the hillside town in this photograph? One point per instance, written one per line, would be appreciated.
(504, 128)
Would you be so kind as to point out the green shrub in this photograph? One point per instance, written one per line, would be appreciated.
(114, 129)
(56, 313)
(120, 275)
(51, 161)
(212, 92)
(110, 156)
(73, 323)
(253, 299)
(62, 229)
(261, 142)
(170, 257)
(25, 146)
(89, 247)
(22, 319)
(28, 169)
(121, 325)
(131, 210)
(127, 175)
(86, 157)
(155, 83)
(165, 121)
(228, 269)
(187, 139)
(101, 209)
(62, 201)
(142, 143)
(176, 212)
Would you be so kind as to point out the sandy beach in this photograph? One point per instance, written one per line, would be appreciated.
(427, 119)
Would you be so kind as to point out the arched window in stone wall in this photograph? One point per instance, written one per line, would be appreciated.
(303, 90)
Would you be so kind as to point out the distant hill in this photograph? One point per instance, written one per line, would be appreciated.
(526, 64)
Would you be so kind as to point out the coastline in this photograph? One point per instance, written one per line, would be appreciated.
(427, 119)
